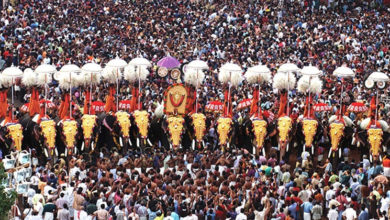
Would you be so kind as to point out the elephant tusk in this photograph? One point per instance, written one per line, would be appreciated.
(75, 150)
(228, 145)
(353, 141)
(171, 146)
(82, 146)
(137, 142)
(278, 146)
(312, 149)
(304, 147)
(339, 152)
(46, 154)
(254, 149)
(129, 142)
(370, 157)
(263, 150)
(56, 151)
(203, 143)
(193, 144)
(330, 153)
(288, 145)
(120, 141)
(149, 142)
(66, 151)
(92, 145)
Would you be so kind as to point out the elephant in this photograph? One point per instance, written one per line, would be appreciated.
(284, 126)
(199, 127)
(340, 132)
(374, 137)
(141, 121)
(90, 131)
(40, 133)
(11, 137)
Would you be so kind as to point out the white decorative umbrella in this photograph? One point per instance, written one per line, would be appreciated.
(68, 76)
(288, 67)
(140, 64)
(230, 73)
(193, 75)
(91, 72)
(343, 72)
(258, 74)
(44, 73)
(8, 79)
(378, 77)
(140, 61)
(198, 65)
(310, 71)
(116, 64)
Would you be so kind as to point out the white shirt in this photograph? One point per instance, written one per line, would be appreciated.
(332, 214)
(350, 214)
(241, 216)
(80, 215)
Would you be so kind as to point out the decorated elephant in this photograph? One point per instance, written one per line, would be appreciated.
(338, 126)
(199, 126)
(224, 129)
(90, 130)
(375, 135)
(141, 121)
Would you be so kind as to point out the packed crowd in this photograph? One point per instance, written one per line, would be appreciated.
(206, 184)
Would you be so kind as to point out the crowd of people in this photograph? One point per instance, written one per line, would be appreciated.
(208, 184)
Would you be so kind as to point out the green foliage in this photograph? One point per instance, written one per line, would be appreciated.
(7, 199)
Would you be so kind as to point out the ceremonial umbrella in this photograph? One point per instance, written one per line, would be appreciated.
(91, 73)
(125, 104)
(141, 64)
(214, 106)
(321, 107)
(98, 106)
(244, 104)
(357, 107)
(45, 71)
(168, 62)
(116, 64)
(9, 75)
(197, 65)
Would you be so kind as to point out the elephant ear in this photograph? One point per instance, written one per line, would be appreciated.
(348, 122)
(364, 123)
(384, 125)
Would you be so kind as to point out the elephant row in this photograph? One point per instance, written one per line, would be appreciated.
(139, 131)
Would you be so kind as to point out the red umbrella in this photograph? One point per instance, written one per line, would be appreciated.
(49, 104)
(245, 103)
(125, 104)
(98, 106)
(214, 106)
(321, 107)
(269, 115)
(357, 107)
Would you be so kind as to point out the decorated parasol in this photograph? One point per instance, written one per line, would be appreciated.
(194, 75)
(125, 104)
(112, 74)
(98, 106)
(168, 62)
(44, 74)
(91, 73)
(9, 76)
(214, 106)
(357, 107)
(137, 70)
(321, 107)
(244, 104)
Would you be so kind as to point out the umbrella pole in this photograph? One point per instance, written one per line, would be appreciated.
(376, 107)
(341, 99)
(258, 103)
(308, 101)
(228, 98)
(196, 93)
(90, 96)
(117, 89)
(139, 88)
(45, 92)
(12, 99)
(288, 89)
(70, 96)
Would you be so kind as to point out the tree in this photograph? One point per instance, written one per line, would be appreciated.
(7, 198)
